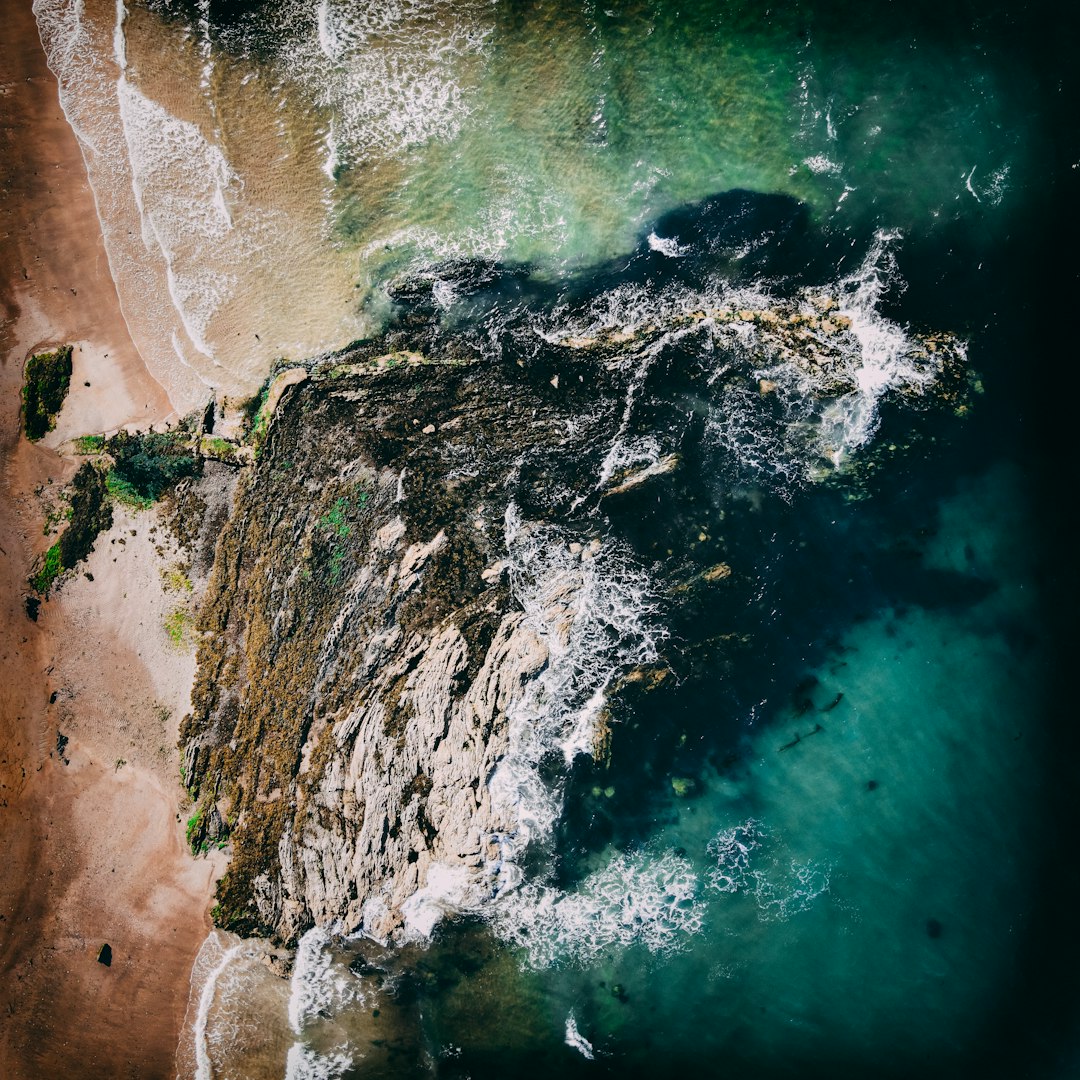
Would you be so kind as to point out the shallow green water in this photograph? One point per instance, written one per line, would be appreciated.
(582, 124)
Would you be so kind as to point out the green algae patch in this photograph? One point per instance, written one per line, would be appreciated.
(89, 515)
(146, 465)
(46, 380)
(194, 829)
(175, 580)
(176, 623)
(219, 449)
(48, 572)
(124, 492)
(89, 445)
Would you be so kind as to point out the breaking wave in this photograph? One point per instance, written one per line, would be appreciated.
(304, 1063)
(790, 422)
(225, 977)
(319, 986)
(784, 416)
(322, 988)
(392, 74)
(576, 1041)
(203, 1069)
(637, 899)
(183, 187)
(594, 610)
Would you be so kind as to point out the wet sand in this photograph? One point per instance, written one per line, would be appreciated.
(93, 848)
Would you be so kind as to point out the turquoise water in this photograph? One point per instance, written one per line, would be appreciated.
(886, 899)
(582, 124)
(840, 842)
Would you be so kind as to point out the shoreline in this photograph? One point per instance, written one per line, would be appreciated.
(93, 841)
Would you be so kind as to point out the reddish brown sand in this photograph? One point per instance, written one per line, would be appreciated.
(90, 851)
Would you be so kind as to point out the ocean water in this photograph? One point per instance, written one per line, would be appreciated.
(840, 842)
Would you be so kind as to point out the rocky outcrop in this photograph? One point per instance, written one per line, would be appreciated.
(361, 646)
(365, 641)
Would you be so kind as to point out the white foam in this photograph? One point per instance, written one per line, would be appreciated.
(748, 859)
(195, 258)
(967, 184)
(375, 914)
(826, 415)
(206, 51)
(811, 415)
(732, 851)
(173, 161)
(883, 361)
(819, 163)
(119, 43)
(778, 898)
(319, 987)
(642, 898)
(576, 1040)
(997, 186)
(447, 890)
(331, 162)
(183, 186)
(304, 1063)
(324, 31)
(627, 454)
(87, 51)
(597, 616)
(444, 293)
(203, 1065)
(393, 72)
(666, 246)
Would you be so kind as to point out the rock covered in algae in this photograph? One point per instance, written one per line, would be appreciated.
(362, 645)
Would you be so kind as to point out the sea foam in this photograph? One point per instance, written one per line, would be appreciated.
(576, 1040)
(816, 416)
(90, 61)
(595, 611)
(182, 184)
(640, 898)
(203, 1066)
(227, 975)
(390, 72)
(319, 987)
(750, 858)
(304, 1063)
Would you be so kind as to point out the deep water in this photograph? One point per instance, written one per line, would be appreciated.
(856, 793)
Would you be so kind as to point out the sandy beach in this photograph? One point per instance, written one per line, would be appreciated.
(92, 839)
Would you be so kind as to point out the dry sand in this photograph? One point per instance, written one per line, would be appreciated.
(93, 849)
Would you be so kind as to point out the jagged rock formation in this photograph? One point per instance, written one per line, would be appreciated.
(360, 656)
(362, 646)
